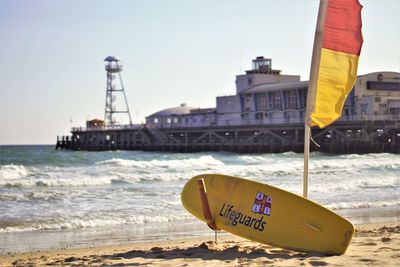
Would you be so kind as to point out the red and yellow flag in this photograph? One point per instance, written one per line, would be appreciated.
(337, 73)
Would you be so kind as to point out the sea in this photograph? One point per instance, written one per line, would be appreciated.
(51, 199)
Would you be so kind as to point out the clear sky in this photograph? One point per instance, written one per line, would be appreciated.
(173, 52)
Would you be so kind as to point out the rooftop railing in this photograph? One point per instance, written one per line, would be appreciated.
(107, 127)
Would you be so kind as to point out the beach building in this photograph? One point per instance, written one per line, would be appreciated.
(266, 114)
(264, 96)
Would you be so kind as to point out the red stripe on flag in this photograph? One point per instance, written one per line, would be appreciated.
(342, 30)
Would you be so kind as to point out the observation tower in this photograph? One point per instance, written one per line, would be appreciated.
(115, 104)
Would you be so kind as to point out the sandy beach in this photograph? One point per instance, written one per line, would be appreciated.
(373, 244)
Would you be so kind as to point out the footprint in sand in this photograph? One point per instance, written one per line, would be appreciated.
(369, 261)
(318, 263)
(156, 249)
(280, 251)
(387, 248)
(368, 244)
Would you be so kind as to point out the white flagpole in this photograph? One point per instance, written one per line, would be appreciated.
(306, 158)
(312, 87)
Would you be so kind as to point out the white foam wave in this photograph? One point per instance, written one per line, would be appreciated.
(81, 180)
(32, 196)
(358, 162)
(12, 172)
(8, 197)
(363, 204)
(201, 162)
(275, 169)
(99, 220)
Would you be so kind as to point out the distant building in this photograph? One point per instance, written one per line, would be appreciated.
(182, 115)
(264, 96)
(376, 96)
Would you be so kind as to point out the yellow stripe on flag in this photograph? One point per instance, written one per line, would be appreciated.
(336, 78)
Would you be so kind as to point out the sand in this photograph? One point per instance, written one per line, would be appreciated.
(373, 244)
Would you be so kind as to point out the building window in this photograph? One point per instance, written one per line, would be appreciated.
(395, 111)
(259, 116)
(302, 97)
(155, 120)
(276, 100)
(261, 102)
(168, 120)
(245, 115)
(363, 108)
(377, 99)
(292, 99)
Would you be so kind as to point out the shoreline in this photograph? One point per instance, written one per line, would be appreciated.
(81, 238)
(377, 244)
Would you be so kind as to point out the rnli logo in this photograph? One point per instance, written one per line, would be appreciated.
(262, 204)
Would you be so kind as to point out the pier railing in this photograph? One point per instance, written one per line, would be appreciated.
(107, 127)
(241, 122)
(270, 121)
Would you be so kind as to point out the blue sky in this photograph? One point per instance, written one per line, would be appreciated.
(173, 52)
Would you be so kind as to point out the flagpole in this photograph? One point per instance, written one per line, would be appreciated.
(312, 87)
(307, 130)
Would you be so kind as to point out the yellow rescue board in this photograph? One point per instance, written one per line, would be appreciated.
(269, 215)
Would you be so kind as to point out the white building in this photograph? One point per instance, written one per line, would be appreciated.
(182, 116)
(265, 96)
(377, 96)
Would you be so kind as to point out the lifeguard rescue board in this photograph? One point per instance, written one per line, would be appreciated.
(268, 215)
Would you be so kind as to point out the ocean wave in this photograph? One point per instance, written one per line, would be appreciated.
(8, 197)
(174, 167)
(45, 195)
(93, 177)
(383, 182)
(119, 182)
(87, 221)
(266, 159)
(363, 204)
(58, 180)
(13, 172)
(200, 162)
(355, 163)
(33, 196)
(367, 156)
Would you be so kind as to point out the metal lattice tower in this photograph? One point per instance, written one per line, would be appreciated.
(114, 67)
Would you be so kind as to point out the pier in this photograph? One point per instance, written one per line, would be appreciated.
(343, 137)
(265, 115)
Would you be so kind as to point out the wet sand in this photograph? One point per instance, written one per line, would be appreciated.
(373, 244)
